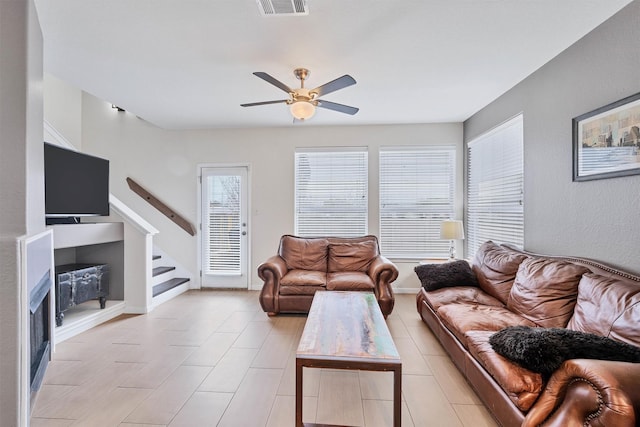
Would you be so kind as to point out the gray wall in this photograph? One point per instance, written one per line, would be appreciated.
(594, 219)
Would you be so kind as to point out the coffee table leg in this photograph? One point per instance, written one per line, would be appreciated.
(397, 396)
(298, 393)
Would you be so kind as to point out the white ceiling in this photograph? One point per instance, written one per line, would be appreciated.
(184, 64)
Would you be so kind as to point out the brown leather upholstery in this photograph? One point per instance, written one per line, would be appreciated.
(521, 385)
(462, 318)
(349, 281)
(304, 278)
(602, 392)
(459, 295)
(304, 266)
(554, 291)
(620, 320)
(488, 390)
(495, 268)
(347, 256)
(545, 291)
(304, 254)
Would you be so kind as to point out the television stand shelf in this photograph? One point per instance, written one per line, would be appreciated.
(82, 234)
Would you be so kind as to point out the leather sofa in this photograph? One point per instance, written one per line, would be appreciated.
(304, 266)
(514, 287)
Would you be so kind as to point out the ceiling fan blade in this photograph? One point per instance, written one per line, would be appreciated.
(333, 85)
(253, 104)
(277, 83)
(338, 107)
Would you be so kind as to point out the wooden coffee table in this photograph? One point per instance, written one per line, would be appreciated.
(346, 330)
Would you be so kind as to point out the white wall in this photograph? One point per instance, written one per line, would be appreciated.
(63, 106)
(21, 190)
(593, 219)
(166, 163)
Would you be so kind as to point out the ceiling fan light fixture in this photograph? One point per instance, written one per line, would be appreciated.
(302, 102)
(302, 110)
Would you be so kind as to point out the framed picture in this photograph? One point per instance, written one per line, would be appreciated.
(606, 141)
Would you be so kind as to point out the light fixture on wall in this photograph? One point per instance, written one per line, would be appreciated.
(451, 230)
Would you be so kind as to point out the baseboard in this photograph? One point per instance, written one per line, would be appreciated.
(406, 290)
(132, 309)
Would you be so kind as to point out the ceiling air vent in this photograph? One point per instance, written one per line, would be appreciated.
(283, 7)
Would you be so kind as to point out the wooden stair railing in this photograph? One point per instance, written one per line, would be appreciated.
(166, 210)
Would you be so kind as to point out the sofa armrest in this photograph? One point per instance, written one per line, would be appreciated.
(581, 392)
(383, 272)
(271, 271)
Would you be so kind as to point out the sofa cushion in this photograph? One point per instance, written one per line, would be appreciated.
(301, 289)
(625, 327)
(495, 268)
(521, 385)
(304, 278)
(608, 307)
(460, 294)
(349, 281)
(303, 282)
(462, 318)
(304, 253)
(447, 274)
(545, 291)
(545, 349)
(356, 256)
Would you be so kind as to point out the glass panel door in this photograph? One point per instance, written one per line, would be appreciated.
(224, 227)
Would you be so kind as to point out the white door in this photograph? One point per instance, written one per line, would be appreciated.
(224, 234)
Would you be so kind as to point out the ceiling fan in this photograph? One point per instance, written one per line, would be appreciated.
(302, 101)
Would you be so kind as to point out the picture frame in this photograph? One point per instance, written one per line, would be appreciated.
(606, 141)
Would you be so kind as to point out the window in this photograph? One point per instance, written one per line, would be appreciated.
(494, 209)
(417, 188)
(331, 192)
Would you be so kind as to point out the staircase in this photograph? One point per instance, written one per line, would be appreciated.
(165, 284)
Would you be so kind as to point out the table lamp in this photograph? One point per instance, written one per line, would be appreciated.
(451, 230)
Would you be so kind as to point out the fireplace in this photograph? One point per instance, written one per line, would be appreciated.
(37, 281)
(39, 331)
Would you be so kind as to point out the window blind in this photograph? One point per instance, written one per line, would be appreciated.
(223, 225)
(417, 188)
(331, 192)
(495, 182)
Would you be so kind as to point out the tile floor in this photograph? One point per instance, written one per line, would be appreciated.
(213, 358)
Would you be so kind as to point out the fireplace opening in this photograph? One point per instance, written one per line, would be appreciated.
(40, 330)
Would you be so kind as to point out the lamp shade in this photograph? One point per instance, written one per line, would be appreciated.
(302, 110)
(451, 230)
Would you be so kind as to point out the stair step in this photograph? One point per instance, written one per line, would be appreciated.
(168, 285)
(159, 270)
(155, 257)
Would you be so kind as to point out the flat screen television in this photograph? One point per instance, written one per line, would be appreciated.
(75, 184)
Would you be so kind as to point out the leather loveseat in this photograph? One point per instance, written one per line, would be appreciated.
(513, 287)
(304, 266)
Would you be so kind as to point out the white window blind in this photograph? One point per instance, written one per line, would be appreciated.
(495, 182)
(417, 188)
(331, 192)
(223, 225)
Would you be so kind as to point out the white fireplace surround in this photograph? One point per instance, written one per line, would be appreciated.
(36, 263)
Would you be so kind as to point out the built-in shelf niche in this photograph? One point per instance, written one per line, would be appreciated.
(91, 243)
